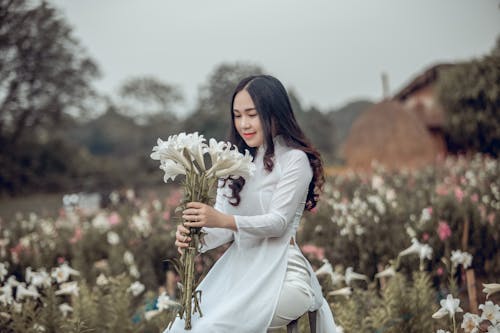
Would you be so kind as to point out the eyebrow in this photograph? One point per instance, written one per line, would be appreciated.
(245, 110)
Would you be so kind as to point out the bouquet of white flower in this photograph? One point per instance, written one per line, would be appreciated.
(186, 154)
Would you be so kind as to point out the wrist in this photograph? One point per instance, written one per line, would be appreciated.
(229, 222)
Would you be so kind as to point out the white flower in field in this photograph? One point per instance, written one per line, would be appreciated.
(449, 306)
(101, 280)
(172, 169)
(12, 281)
(491, 288)
(423, 250)
(134, 272)
(68, 288)
(491, 312)
(136, 288)
(461, 258)
(425, 215)
(156, 205)
(494, 329)
(442, 331)
(65, 308)
(346, 291)
(38, 328)
(142, 225)
(148, 315)
(18, 307)
(377, 182)
(351, 275)
(327, 268)
(23, 292)
(3, 270)
(101, 222)
(40, 279)
(128, 257)
(413, 249)
(6, 294)
(388, 272)
(470, 323)
(62, 273)
(164, 302)
(390, 195)
(112, 238)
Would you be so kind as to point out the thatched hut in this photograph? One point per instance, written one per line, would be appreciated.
(391, 135)
(419, 97)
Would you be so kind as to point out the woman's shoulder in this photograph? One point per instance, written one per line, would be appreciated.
(288, 156)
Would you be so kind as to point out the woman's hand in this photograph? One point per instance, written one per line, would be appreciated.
(198, 214)
(181, 238)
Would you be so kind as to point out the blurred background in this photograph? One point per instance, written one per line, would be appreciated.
(401, 98)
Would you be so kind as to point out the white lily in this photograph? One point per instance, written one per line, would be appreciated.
(461, 258)
(3, 270)
(491, 288)
(470, 323)
(65, 308)
(388, 272)
(327, 268)
(136, 288)
(38, 279)
(165, 303)
(68, 288)
(128, 257)
(449, 306)
(6, 296)
(101, 280)
(346, 291)
(62, 273)
(23, 292)
(351, 275)
(413, 249)
(491, 312)
(148, 315)
(172, 169)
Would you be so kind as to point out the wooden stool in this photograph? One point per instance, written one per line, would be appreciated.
(293, 326)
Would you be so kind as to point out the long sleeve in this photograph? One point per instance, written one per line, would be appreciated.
(215, 237)
(288, 199)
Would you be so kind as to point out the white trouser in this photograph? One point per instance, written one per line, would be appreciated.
(296, 294)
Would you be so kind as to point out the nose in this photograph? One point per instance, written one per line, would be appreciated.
(244, 122)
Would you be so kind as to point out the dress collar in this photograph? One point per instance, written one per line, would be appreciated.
(277, 140)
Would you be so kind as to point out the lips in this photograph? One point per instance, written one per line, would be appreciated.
(248, 135)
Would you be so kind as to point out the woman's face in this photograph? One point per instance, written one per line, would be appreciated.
(247, 120)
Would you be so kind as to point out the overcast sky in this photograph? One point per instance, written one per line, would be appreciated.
(329, 51)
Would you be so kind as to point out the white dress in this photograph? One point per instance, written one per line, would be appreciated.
(241, 291)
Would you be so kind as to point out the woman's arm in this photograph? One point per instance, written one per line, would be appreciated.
(289, 194)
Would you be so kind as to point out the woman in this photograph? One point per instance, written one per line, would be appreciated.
(262, 281)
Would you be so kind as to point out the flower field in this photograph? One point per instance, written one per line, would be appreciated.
(395, 252)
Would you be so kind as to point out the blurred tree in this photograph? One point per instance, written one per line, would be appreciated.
(211, 116)
(149, 99)
(43, 70)
(470, 93)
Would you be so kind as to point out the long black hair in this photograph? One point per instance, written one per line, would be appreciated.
(277, 118)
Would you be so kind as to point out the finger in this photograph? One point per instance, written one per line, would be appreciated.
(191, 211)
(194, 224)
(181, 251)
(192, 218)
(194, 204)
(182, 229)
(179, 243)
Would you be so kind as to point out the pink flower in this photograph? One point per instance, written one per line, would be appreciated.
(114, 218)
(491, 218)
(441, 190)
(77, 236)
(440, 271)
(474, 197)
(425, 236)
(459, 194)
(443, 230)
(314, 251)
(61, 260)
(166, 215)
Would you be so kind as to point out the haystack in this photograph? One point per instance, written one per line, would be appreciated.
(392, 136)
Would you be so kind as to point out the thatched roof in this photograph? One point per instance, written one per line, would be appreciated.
(390, 135)
(429, 76)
